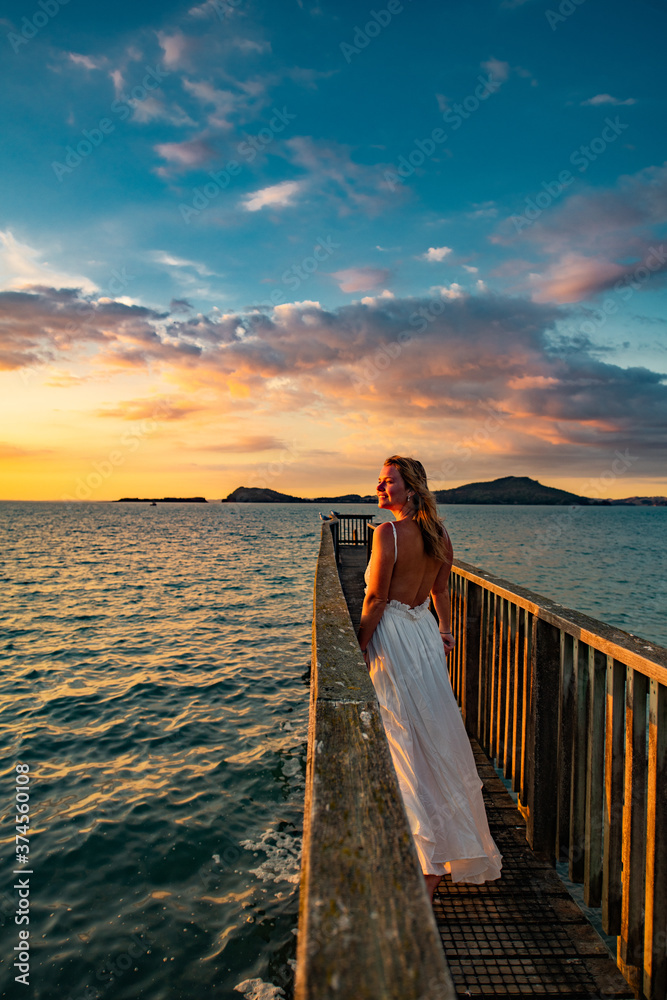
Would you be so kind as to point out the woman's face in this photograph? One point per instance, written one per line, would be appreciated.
(391, 489)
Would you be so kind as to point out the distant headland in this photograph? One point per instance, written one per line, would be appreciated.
(161, 500)
(508, 490)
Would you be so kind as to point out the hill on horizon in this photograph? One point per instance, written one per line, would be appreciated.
(509, 490)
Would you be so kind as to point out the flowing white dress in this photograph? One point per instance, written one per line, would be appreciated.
(432, 756)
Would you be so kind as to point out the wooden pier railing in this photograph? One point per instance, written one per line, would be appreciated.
(575, 713)
(351, 529)
(366, 926)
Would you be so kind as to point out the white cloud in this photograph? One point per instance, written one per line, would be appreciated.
(606, 99)
(153, 109)
(224, 102)
(86, 61)
(372, 300)
(186, 154)
(248, 45)
(470, 268)
(162, 257)
(496, 68)
(275, 195)
(453, 291)
(436, 254)
(21, 267)
(483, 210)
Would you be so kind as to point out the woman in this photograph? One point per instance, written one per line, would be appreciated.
(405, 652)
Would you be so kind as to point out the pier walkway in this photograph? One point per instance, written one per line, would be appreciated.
(522, 935)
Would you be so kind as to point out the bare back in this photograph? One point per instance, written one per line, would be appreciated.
(415, 574)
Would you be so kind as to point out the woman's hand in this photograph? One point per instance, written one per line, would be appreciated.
(448, 641)
(367, 658)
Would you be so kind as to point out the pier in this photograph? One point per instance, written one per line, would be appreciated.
(573, 713)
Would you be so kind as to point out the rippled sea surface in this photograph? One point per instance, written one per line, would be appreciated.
(154, 677)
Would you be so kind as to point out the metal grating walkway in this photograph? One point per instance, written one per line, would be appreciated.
(520, 936)
(523, 935)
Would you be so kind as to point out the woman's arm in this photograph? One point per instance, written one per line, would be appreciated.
(442, 602)
(379, 579)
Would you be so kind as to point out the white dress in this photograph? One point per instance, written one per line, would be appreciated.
(429, 746)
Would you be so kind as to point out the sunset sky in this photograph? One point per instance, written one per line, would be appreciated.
(253, 243)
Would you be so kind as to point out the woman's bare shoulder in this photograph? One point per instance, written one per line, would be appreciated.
(384, 535)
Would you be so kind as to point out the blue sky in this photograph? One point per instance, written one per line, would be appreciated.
(295, 236)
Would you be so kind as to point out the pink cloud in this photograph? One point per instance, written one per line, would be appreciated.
(361, 279)
(574, 278)
(606, 99)
(175, 48)
(591, 239)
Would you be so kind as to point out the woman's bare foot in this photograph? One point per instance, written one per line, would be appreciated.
(432, 883)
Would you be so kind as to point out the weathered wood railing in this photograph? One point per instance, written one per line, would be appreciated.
(351, 529)
(366, 927)
(575, 713)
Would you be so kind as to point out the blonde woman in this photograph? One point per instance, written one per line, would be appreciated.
(405, 650)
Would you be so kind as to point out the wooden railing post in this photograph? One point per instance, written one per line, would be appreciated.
(613, 797)
(566, 741)
(655, 950)
(543, 740)
(471, 680)
(579, 754)
(597, 678)
(631, 939)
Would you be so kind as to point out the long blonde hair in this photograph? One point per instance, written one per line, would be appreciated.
(424, 505)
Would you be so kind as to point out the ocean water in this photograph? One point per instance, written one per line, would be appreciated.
(154, 678)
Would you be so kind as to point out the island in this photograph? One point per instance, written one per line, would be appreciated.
(157, 500)
(510, 490)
